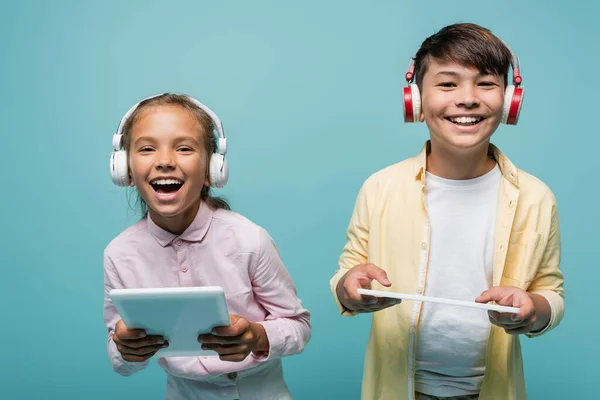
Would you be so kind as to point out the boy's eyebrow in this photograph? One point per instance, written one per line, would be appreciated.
(455, 74)
(450, 73)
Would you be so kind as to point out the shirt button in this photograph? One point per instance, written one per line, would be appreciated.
(232, 375)
(420, 289)
(178, 242)
(184, 268)
(423, 245)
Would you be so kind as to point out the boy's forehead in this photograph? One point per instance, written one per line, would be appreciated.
(442, 67)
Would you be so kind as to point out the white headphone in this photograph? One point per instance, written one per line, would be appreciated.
(218, 170)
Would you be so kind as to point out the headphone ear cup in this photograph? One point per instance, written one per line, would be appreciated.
(218, 171)
(416, 102)
(119, 171)
(412, 103)
(513, 101)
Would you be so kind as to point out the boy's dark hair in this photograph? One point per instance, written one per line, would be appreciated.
(469, 45)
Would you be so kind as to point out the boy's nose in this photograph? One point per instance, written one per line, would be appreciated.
(468, 98)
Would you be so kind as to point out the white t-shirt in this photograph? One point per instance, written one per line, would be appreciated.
(452, 341)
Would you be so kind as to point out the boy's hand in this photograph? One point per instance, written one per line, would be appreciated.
(134, 345)
(513, 324)
(358, 277)
(236, 341)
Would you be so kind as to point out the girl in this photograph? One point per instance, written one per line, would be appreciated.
(165, 147)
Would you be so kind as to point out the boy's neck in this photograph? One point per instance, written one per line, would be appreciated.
(450, 164)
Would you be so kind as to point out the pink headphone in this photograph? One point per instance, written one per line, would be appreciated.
(513, 95)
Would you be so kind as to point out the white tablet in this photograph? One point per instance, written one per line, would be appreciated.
(178, 314)
(403, 296)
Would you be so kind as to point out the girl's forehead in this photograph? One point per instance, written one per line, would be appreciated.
(172, 110)
(166, 118)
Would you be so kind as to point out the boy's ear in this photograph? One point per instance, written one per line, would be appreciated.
(422, 116)
(131, 182)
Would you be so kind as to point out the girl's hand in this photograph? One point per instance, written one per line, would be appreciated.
(236, 341)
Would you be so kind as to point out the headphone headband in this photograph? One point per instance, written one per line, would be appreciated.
(514, 63)
(222, 147)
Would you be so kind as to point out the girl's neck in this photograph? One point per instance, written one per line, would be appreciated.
(176, 224)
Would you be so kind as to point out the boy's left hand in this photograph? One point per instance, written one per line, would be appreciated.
(513, 324)
(236, 341)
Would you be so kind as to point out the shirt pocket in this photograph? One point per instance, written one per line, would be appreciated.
(523, 256)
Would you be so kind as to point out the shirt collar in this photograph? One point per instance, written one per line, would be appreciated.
(508, 170)
(194, 233)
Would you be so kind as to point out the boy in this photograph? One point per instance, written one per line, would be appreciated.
(458, 221)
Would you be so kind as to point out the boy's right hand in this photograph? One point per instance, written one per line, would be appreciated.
(358, 277)
(134, 345)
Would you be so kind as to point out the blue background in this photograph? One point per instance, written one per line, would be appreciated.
(310, 96)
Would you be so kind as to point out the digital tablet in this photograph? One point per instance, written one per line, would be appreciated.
(179, 314)
(472, 304)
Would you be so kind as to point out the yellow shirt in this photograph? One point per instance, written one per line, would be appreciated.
(389, 228)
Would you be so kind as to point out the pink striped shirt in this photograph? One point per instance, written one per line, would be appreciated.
(219, 248)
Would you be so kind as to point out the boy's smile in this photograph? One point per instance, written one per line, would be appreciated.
(466, 120)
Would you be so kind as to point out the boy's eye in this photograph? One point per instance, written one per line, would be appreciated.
(145, 149)
(447, 84)
(487, 83)
(185, 149)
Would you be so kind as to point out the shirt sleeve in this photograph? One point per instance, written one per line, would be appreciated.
(549, 280)
(355, 250)
(287, 323)
(111, 317)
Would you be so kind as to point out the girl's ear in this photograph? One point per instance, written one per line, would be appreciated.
(207, 173)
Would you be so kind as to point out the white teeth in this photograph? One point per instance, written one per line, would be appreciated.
(466, 120)
(166, 182)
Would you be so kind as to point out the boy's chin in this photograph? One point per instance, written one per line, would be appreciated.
(463, 141)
